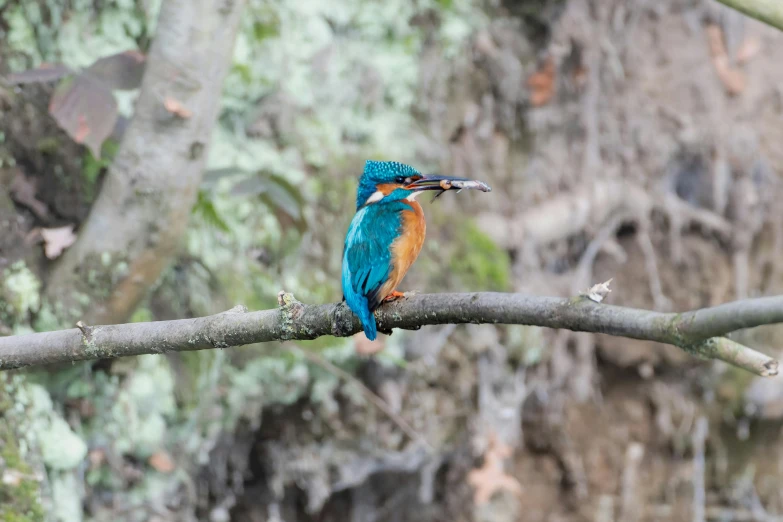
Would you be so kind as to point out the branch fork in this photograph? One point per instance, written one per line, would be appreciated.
(701, 333)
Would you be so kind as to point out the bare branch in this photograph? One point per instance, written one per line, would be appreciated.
(138, 220)
(767, 11)
(729, 317)
(698, 332)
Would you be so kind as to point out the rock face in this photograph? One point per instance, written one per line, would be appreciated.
(613, 133)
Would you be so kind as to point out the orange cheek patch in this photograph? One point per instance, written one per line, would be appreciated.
(387, 188)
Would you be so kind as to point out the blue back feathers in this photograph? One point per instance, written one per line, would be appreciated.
(367, 260)
(379, 172)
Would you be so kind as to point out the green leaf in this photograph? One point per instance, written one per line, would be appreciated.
(92, 166)
(285, 196)
(205, 208)
(276, 193)
(213, 176)
(262, 30)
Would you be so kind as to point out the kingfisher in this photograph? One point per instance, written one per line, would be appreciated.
(386, 234)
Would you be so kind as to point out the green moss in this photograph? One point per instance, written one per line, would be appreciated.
(48, 145)
(271, 380)
(480, 263)
(526, 345)
(21, 290)
(61, 448)
(96, 283)
(141, 315)
(94, 166)
(196, 367)
(47, 321)
(138, 416)
(20, 494)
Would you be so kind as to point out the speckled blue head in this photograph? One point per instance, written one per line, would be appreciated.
(380, 173)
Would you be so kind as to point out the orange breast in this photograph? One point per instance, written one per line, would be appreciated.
(407, 247)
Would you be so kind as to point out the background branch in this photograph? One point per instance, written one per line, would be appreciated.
(136, 224)
(768, 11)
(698, 332)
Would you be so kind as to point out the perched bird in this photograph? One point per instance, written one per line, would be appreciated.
(386, 234)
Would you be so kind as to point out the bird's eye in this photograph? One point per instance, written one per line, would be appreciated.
(399, 179)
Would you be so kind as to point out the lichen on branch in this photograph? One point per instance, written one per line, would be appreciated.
(699, 332)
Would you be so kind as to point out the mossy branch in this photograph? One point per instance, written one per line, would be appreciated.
(699, 332)
(767, 11)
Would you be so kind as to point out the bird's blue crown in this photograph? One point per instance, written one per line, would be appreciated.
(380, 172)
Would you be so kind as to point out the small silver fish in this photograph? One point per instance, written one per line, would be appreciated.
(462, 184)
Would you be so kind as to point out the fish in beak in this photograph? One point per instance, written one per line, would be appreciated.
(444, 183)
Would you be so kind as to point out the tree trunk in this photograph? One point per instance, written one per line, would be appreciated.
(138, 220)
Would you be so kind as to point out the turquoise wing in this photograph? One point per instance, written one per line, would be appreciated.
(367, 260)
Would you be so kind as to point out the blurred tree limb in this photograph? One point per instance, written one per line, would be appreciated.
(140, 216)
(699, 332)
(767, 11)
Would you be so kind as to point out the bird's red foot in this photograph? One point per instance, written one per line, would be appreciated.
(393, 296)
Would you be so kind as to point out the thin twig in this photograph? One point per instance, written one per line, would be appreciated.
(629, 496)
(651, 266)
(699, 332)
(368, 394)
(699, 492)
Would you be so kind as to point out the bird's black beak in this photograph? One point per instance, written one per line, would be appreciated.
(443, 183)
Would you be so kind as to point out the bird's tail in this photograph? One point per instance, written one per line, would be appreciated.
(369, 326)
(359, 306)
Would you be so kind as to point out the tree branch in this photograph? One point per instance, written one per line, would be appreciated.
(698, 332)
(137, 223)
(767, 11)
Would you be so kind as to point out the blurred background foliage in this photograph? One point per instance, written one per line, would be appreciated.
(302, 107)
(274, 432)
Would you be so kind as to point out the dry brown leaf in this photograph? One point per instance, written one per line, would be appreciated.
(162, 462)
(33, 237)
(96, 457)
(85, 109)
(82, 130)
(175, 107)
(57, 239)
(598, 291)
(122, 71)
(23, 191)
(542, 84)
(490, 477)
